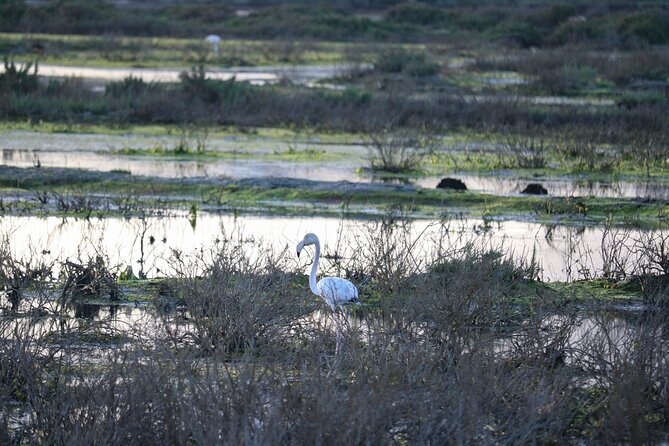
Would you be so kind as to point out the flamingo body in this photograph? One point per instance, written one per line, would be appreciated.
(335, 291)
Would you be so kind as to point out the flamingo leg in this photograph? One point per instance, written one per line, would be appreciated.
(339, 329)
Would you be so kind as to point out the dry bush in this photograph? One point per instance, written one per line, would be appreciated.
(589, 154)
(647, 149)
(385, 253)
(617, 257)
(92, 279)
(522, 150)
(82, 204)
(627, 400)
(397, 388)
(463, 293)
(652, 250)
(400, 150)
(240, 300)
(16, 275)
(448, 360)
(638, 257)
(22, 363)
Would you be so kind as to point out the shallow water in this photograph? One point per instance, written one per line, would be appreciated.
(64, 141)
(302, 74)
(183, 167)
(346, 170)
(109, 320)
(567, 187)
(564, 253)
(248, 157)
(499, 78)
(585, 341)
(551, 101)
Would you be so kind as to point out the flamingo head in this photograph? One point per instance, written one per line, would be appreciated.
(309, 239)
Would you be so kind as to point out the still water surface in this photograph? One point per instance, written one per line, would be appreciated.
(260, 158)
(564, 253)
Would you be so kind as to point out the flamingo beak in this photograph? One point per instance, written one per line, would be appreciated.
(299, 248)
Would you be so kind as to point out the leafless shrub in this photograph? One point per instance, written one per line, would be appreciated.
(617, 258)
(524, 151)
(26, 358)
(16, 275)
(641, 257)
(400, 150)
(89, 280)
(397, 387)
(652, 250)
(193, 136)
(126, 202)
(459, 355)
(463, 291)
(628, 364)
(579, 259)
(41, 196)
(241, 300)
(543, 340)
(589, 154)
(76, 203)
(649, 150)
(387, 252)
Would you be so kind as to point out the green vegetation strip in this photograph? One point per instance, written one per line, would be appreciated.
(240, 133)
(289, 196)
(523, 293)
(167, 52)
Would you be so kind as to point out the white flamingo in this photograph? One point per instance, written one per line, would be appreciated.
(335, 291)
(215, 41)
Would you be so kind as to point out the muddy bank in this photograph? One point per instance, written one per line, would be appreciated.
(34, 177)
(45, 190)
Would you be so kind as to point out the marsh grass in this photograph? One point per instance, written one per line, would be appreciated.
(588, 154)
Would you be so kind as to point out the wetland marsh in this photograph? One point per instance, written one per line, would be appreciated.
(153, 190)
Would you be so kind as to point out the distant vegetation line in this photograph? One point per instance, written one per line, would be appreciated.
(198, 100)
(525, 24)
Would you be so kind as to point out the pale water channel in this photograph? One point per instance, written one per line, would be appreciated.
(244, 157)
(261, 75)
(308, 75)
(150, 243)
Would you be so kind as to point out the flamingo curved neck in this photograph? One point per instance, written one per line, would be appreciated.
(314, 270)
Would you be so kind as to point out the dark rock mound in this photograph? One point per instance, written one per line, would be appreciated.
(451, 183)
(535, 189)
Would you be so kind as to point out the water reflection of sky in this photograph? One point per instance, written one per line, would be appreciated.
(255, 75)
(564, 253)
